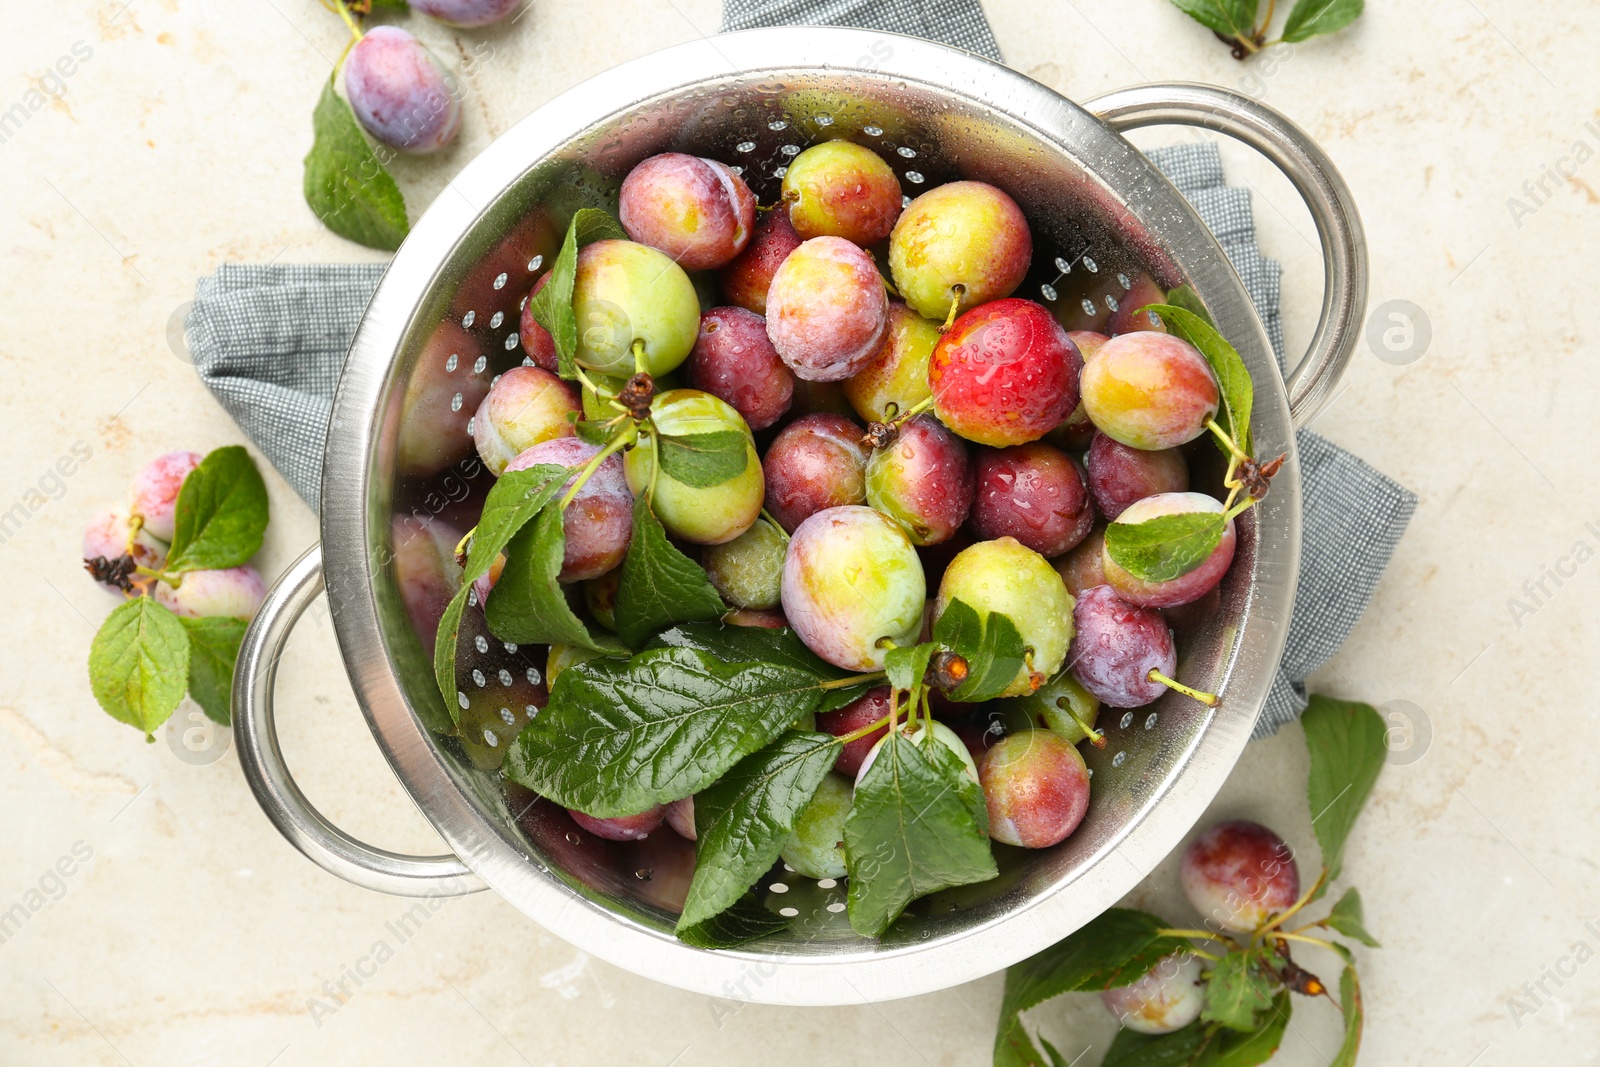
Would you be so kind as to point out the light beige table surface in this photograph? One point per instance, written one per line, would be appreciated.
(193, 934)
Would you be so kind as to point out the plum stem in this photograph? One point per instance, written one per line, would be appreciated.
(1304, 938)
(593, 388)
(1093, 736)
(1305, 898)
(616, 444)
(957, 291)
(776, 525)
(856, 735)
(854, 679)
(1228, 442)
(343, 12)
(1208, 699)
(1204, 935)
(638, 356)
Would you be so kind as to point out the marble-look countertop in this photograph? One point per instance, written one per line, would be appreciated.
(189, 932)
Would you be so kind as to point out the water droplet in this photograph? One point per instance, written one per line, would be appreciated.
(500, 280)
(536, 262)
(469, 318)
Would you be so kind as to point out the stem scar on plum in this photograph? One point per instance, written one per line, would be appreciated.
(117, 572)
(948, 669)
(636, 395)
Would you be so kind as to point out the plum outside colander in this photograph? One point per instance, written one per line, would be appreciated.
(400, 479)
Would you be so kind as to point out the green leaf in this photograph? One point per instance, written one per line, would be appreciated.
(1233, 18)
(1114, 949)
(1347, 918)
(221, 514)
(551, 307)
(909, 833)
(619, 737)
(1232, 1049)
(213, 650)
(528, 605)
(659, 585)
(990, 644)
(1347, 752)
(392, 5)
(139, 664)
(747, 921)
(591, 432)
(1167, 546)
(954, 770)
(1311, 18)
(1186, 298)
(755, 644)
(1354, 1013)
(1233, 380)
(345, 184)
(513, 500)
(743, 821)
(704, 459)
(1181, 1048)
(907, 666)
(1237, 992)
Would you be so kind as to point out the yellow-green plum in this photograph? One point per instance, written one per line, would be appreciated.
(707, 515)
(897, 378)
(525, 406)
(1149, 390)
(842, 189)
(1005, 576)
(853, 587)
(1062, 705)
(963, 243)
(816, 847)
(625, 293)
(748, 571)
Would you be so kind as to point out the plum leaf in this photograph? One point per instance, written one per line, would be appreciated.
(1345, 739)
(1186, 298)
(1311, 18)
(754, 644)
(345, 183)
(528, 605)
(910, 832)
(139, 664)
(743, 821)
(1167, 546)
(1231, 18)
(1233, 379)
(659, 585)
(741, 924)
(1181, 1048)
(1115, 949)
(990, 644)
(551, 307)
(704, 459)
(1354, 1014)
(515, 498)
(1347, 918)
(592, 433)
(906, 666)
(213, 650)
(221, 514)
(621, 736)
(1237, 992)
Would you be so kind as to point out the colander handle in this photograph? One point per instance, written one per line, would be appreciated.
(1326, 196)
(254, 681)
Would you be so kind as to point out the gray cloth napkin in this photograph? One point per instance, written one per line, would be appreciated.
(269, 342)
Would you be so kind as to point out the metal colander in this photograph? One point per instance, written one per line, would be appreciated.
(401, 482)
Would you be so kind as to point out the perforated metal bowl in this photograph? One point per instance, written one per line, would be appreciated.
(443, 322)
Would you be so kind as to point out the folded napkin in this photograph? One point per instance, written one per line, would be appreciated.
(269, 341)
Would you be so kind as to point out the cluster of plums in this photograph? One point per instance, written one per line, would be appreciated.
(924, 433)
(142, 529)
(1237, 875)
(400, 92)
